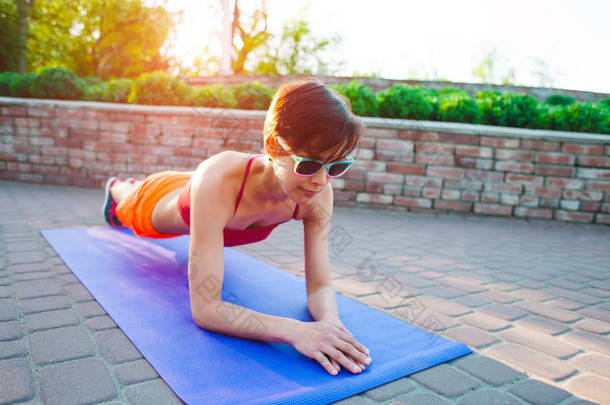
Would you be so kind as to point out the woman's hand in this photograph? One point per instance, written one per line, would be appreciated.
(317, 340)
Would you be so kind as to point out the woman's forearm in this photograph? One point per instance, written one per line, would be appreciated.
(322, 304)
(235, 320)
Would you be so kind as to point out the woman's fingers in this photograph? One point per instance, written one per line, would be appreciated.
(355, 349)
(342, 359)
(332, 367)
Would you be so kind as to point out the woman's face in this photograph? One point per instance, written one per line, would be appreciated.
(301, 189)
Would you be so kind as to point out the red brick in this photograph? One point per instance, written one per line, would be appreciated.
(529, 201)
(27, 122)
(449, 172)
(475, 151)
(598, 185)
(14, 111)
(111, 137)
(183, 141)
(484, 175)
(492, 209)
(467, 162)
(556, 158)
(41, 112)
(471, 196)
(583, 149)
(451, 194)
(406, 168)
(550, 170)
(122, 127)
(499, 142)
(605, 208)
(583, 195)
(380, 177)
(69, 143)
(354, 185)
(411, 191)
(373, 188)
(503, 187)
(394, 189)
(429, 192)
(589, 206)
(459, 138)
(391, 155)
(453, 205)
(413, 202)
(363, 154)
(549, 202)
(433, 148)
(414, 135)
(513, 166)
(130, 117)
(602, 219)
(83, 134)
(524, 179)
(593, 173)
(374, 198)
(394, 144)
(546, 213)
(567, 183)
(79, 124)
(429, 159)
(464, 184)
(539, 145)
(514, 154)
(574, 216)
(543, 192)
(423, 181)
(365, 142)
(594, 161)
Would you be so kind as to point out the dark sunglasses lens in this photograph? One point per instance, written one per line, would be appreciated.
(338, 169)
(308, 167)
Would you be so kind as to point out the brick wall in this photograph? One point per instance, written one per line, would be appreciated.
(401, 164)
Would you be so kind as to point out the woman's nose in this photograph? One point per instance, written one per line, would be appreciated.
(320, 177)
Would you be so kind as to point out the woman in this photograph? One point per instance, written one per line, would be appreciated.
(309, 132)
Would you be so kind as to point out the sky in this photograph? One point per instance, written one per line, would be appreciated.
(567, 41)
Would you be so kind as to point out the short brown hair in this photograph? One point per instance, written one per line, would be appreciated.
(310, 117)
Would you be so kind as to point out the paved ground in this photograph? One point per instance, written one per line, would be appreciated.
(530, 299)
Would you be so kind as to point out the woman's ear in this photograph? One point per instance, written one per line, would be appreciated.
(270, 145)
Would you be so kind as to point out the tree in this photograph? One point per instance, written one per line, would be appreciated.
(249, 35)
(13, 34)
(488, 69)
(298, 51)
(103, 38)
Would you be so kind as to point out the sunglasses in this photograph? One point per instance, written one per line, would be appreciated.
(309, 167)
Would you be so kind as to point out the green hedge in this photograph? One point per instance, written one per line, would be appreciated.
(558, 112)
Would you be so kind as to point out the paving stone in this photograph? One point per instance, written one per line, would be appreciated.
(596, 313)
(100, 323)
(5, 281)
(581, 402)
(116, 347)
(30, 267)
(447, 307)
(51, 346)
(79, 293)
(530, 361)
(26, 257)
(35, 275)
(20, 246)
(445, 292)
(566, 304)
(51, 319)
(134, 372)
(489, 370)
(471, 301)
(461, 284)
(588, 341)
(67, 279)
(37, 288)
(548, 311)
(597, 292)
(50, 303)
(77, 382)
(593, 362)
(13, 348)
(485, 322)
(506, 312)
(573, 296)
(472, 337)
(420, 398)
(6, 292)
(8, 311)
(90, 309)
(499, 296)
(446, 380)
(16, 381)
(538, 393)
(590, 387)
(411, 281)
(10, 330)
(354, 287)
(593, 326)
(489, 397)
(544, 325)
(539, 341)
(532, 295)
(151, 393)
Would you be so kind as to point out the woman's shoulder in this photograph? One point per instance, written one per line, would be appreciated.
(222, 171)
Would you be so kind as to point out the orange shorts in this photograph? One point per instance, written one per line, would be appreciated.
(135, 211)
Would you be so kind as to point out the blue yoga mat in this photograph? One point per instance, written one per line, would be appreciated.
(142, 284)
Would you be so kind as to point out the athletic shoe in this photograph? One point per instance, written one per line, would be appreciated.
(109, 207)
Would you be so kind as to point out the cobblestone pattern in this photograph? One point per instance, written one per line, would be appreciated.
(530, 297)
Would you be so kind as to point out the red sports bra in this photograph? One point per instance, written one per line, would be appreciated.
(232, 237)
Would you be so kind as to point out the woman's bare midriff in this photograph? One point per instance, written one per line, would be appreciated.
(167, 219)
